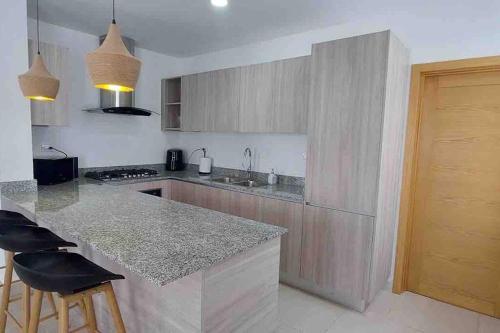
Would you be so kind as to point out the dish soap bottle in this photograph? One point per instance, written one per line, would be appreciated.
(272, 179)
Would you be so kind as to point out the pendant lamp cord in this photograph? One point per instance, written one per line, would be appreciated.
(38, 29)
(114, 22)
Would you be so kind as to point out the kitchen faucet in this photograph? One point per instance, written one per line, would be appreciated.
(247, 154)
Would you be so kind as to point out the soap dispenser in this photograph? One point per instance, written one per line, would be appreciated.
(272, 179)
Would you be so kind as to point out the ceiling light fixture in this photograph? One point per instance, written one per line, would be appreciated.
(111, 66)
(37, 83)
(219, 3)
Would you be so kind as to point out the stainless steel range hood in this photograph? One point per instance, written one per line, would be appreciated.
(116, 102)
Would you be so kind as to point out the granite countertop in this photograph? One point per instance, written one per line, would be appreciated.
(289, 192)
(158, 239)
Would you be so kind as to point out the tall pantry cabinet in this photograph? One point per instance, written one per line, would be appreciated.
(357, 115)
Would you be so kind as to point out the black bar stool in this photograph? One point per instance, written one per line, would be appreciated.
(8, 217)
(24, 238)
(74, 278)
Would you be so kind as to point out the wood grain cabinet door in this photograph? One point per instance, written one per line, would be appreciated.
(336, 253)
(182, 192)
(287, 215)
(223, 100)
(345, 117)
(291, 95)
(257, 98)
(194, 98)
(56, 59)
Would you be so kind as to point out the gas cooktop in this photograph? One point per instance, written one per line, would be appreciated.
(119, 174)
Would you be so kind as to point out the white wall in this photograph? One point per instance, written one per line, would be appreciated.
(105, 140)
(281, 152)
(15, 121)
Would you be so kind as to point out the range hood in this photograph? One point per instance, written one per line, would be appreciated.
(116, 102)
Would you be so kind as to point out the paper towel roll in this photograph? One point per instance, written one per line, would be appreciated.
(205, 165)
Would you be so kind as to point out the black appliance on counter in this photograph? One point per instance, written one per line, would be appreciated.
(119, 174)
(175, 160)
(51, 170)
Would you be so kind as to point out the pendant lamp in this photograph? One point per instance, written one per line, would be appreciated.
(37, 83)
(111, 66)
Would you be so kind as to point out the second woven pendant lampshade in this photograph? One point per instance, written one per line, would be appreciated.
(111, 66)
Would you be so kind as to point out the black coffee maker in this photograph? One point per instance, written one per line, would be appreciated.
(175, 160)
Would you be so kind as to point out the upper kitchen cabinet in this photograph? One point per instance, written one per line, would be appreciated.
(351, 94)
(223, 100)
(274, 96)
(57, 62)
(291, 97)
(194, 97)
(210, 101)
(257, 97)
(171, 104)
(264, 98)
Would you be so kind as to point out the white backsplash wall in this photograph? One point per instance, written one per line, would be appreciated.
(284, 153)
(106, 140)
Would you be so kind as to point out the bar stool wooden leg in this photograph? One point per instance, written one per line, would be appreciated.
(63, 316)
(26, 307)
(89, 308)
(113, 307)
(35, 311)
(9, 267)
(52, 303)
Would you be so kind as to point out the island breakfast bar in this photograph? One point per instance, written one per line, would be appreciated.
(187, 269)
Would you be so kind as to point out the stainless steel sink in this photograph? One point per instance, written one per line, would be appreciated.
(238, 182)
(249, 183)
(227, 180)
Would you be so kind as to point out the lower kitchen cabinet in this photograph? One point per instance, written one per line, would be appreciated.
(336, 255)
(287, 215)
(272, 211)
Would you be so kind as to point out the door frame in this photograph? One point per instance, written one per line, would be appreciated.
(418, 74)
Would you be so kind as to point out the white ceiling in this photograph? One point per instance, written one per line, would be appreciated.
(190, 27)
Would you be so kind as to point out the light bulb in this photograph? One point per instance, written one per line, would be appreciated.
(219, 3)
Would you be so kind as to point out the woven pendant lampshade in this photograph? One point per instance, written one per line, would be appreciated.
(111, 66)
(37, 83)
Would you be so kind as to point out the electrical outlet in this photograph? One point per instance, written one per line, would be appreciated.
(45, 147)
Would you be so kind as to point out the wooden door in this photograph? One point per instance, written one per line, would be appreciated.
(455, 241)
(291, 95)
(348, 78)
(336, 253)
(223, 100)
(194, 95)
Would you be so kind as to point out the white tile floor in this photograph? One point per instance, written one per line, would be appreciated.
(389, 313)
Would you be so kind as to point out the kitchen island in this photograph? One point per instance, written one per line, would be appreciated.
(187, 269)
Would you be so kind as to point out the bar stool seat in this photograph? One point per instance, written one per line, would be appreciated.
(6, 216)
(74, 277)
(20, 238)
(27, 238)
(61, 272)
